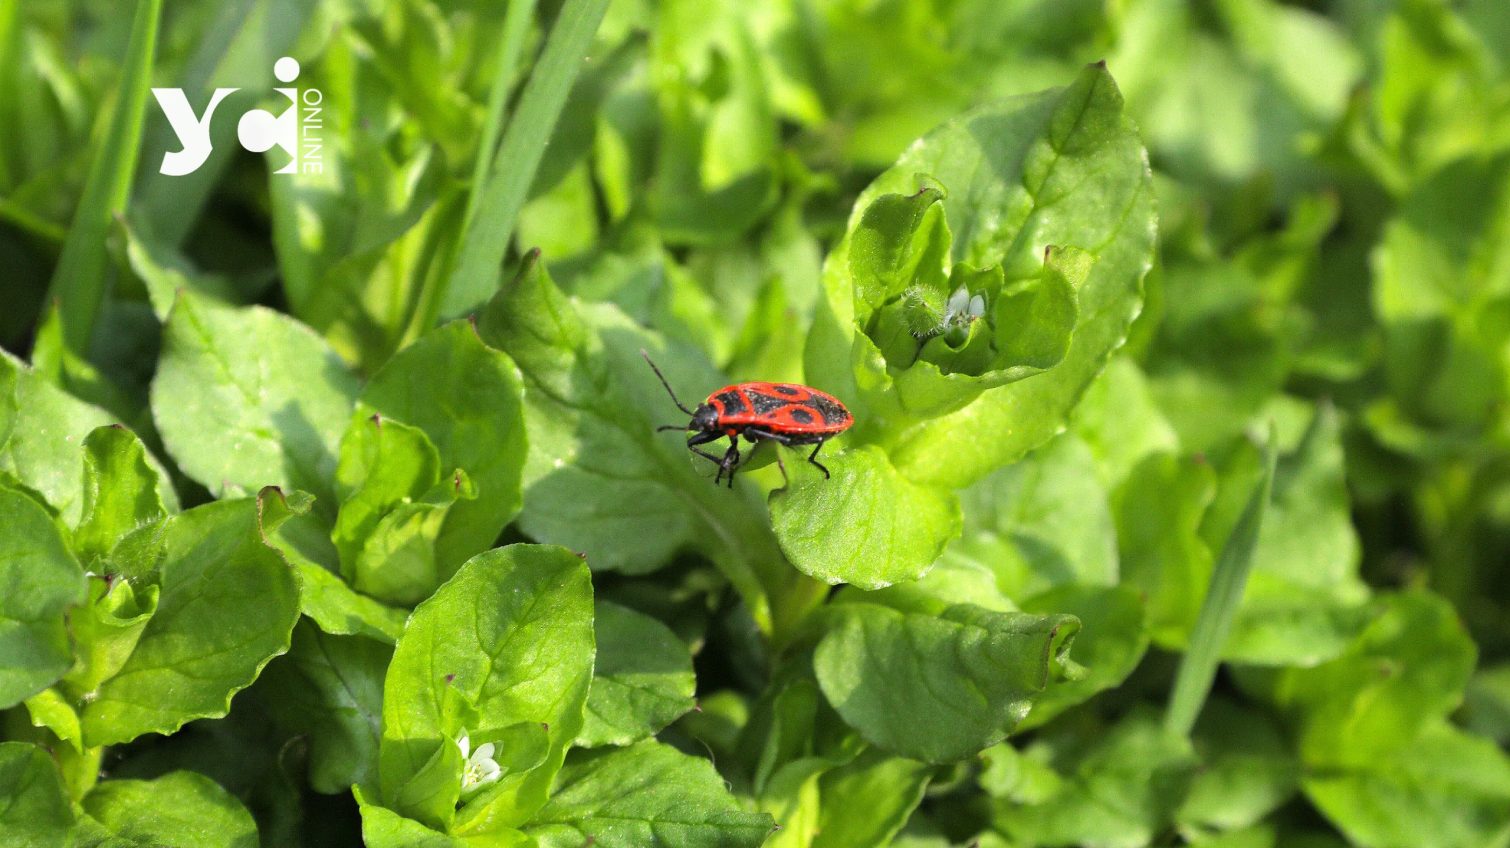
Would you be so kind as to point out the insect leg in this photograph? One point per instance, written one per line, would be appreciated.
(702, 439)
(729, 462)
(813, 458)
(753, 433)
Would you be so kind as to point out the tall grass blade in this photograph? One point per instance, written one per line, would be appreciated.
(485, 240)
(83, 271)
(516, 23)
(1198, 669)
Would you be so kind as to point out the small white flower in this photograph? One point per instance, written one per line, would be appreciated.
(480, 770)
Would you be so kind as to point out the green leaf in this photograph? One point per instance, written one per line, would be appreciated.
(338, 609)
(383, 828)
(1304, 600)
(1061, 168)
(939, 688)
(1120, 423)
(179, 808)
(107, 631)
(382, 464)
(1446, 788)
(120, 491)
(866, 525)
(1023, 329)
(1486, 704)
(42, 430)
(329, 689)
(1436, 292)
(1405, 670)
(865, 802)
(466, 397)
(1158, 511)
(42, 581)
(525, 654)
(192, 656)
(642, 679)
(51, 710)
(1112, 641)
(36, 812)
(1234, 96)
(248, 397)
(1116, 788)
(716, 145)
(899, 240)
(646, 794)
(1247, 768)
(1043, 522)
(398, 560)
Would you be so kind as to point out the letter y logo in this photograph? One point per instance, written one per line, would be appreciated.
(258, 130)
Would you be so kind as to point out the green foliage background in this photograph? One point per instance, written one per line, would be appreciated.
(1176, 511)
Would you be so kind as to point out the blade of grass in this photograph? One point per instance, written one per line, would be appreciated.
(1198, 668)
(485, 240)
(79, 282)
(511, 42)
(25, 221)
(516, 21)
(10, 62)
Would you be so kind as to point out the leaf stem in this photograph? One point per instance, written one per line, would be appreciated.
(1198, 668)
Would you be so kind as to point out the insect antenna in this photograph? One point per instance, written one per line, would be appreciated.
(679, 404)
(663, 428)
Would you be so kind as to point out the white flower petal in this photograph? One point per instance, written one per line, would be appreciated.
(958, 300)
(483, 752)
(977, 306)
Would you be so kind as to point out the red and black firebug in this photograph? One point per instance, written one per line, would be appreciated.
(786, 413)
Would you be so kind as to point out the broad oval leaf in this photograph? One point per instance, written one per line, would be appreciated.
(642, 679)
(248, 397)
(1061, 168)
(866, 525)
(508, 639)
(466, 397)
(179, 808)
(330, 689)
(646, 794)
(939, 688)
(120, 490)
(42, 429)
(36, 812)
(193, 656)
(42, 581)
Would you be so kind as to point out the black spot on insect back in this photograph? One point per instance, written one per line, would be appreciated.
(832, 412)
(765, 404)
(802, 416)
(732, 402)
(786, 390)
